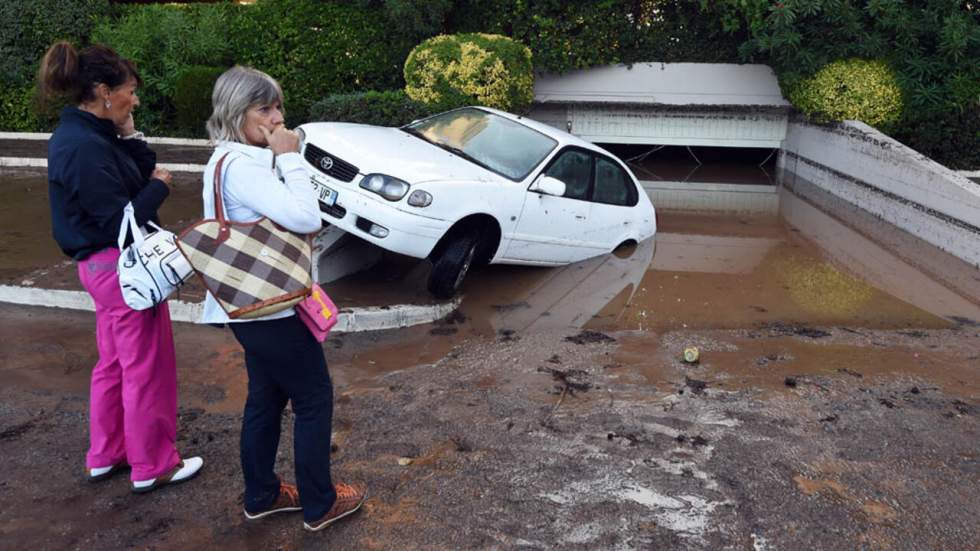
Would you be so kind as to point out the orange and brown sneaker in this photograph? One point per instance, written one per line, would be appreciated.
(288, 500)
(350, 497)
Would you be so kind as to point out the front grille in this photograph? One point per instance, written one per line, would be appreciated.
(340, 169)
(334, 210)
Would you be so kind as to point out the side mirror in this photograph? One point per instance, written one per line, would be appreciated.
(549, 186)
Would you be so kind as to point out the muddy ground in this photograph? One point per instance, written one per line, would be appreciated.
(783, 437)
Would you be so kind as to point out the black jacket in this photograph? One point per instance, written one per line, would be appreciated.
(92, 174)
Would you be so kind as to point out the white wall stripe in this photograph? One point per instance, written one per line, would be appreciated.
(32, 162)
(160, 140)
(350, 320)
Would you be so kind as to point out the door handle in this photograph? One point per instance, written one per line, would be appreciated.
(579, 217)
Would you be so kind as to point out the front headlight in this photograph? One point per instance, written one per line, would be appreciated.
(389, 187)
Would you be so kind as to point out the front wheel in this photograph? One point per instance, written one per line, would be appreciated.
(450, 267)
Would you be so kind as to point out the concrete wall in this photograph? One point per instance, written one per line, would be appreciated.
(695, 196)
(895, 183)
(640, 124)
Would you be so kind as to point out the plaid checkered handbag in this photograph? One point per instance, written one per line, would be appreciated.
(253, 269)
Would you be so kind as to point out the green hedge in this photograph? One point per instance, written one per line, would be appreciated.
(855, 89)
(388, 108)
(28, 27)
(17, 108)
(164, 41)
(192, 98)
(316, 49)
(450, 71)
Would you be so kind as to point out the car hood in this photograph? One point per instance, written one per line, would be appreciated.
(393, 152)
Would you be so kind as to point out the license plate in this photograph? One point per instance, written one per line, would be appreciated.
(328, 196)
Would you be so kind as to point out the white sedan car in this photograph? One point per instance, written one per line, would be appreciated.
(475, 185)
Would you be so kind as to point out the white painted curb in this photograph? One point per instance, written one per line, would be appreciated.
(350, 320)
(22, 162)
(47, 136)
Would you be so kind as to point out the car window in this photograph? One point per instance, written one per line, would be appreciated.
(612, 185)
(487, 139)
(575, 169)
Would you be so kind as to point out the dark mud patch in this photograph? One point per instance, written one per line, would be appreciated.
(590, 337)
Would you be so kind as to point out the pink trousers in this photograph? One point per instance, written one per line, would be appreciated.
(134, 384)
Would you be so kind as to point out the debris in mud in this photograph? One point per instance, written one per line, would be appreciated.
(829, 419)
(571, 379)
(443, 331)
(887, 403)
(697, 441)
(850, 372)
(785, 329)
(508, 335)
(510, 307)
(696, 386)
(759, 309)
(769, 358)
(914, 390)
(963, 408)
(16, 431)
(554, 359)
(454, 317)
(462, 445)
(691, 355)
(589, 337)
(405, 461)
(964, 322)
(790, 382)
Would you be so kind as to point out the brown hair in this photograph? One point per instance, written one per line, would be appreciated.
(65, 72)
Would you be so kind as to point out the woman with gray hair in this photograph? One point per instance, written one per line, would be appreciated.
(263, 174)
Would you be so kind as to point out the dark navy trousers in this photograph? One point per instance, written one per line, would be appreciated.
(285, 363)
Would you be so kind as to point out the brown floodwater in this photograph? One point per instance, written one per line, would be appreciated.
(701, 271)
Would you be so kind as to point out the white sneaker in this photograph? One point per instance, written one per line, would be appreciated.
(97, 474)
(184, 471)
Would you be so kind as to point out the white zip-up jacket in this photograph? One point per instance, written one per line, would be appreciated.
(257, 183)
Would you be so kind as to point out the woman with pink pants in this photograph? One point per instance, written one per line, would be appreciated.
(97, 164)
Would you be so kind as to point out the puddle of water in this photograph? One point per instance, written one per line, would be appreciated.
(701, 271)
(707, 271)
(25, 219)
(765, 362)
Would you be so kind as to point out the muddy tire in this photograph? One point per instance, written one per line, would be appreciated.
(451, 266)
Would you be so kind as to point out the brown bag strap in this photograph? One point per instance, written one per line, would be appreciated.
(219, 205)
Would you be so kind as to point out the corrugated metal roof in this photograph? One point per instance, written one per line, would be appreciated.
(664, 84)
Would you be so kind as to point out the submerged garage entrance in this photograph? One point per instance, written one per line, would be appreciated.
(697, 135)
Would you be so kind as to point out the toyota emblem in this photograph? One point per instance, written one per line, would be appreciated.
(326, 163)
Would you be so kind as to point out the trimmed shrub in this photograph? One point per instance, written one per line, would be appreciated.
(192, 97)
(388, 108)
(449, 71)
(850, 89)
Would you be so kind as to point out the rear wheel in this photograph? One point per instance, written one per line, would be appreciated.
(451, 266)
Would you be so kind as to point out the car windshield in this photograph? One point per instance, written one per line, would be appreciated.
(489, 140)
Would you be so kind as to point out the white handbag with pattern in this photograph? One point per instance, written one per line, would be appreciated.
(151, 267)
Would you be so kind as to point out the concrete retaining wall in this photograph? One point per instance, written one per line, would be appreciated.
(895, 183)
(741, 198)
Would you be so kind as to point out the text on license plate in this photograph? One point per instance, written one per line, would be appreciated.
(328, 196)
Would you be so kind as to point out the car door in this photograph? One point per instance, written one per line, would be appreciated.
(614, 195)
(553, 229)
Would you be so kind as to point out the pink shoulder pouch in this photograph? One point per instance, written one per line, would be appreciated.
(318, 312)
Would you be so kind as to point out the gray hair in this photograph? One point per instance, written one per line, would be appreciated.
(235, 91)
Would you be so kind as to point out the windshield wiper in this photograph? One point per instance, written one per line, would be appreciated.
(458, 151)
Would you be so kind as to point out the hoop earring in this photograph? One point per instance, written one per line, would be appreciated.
(108, 104)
